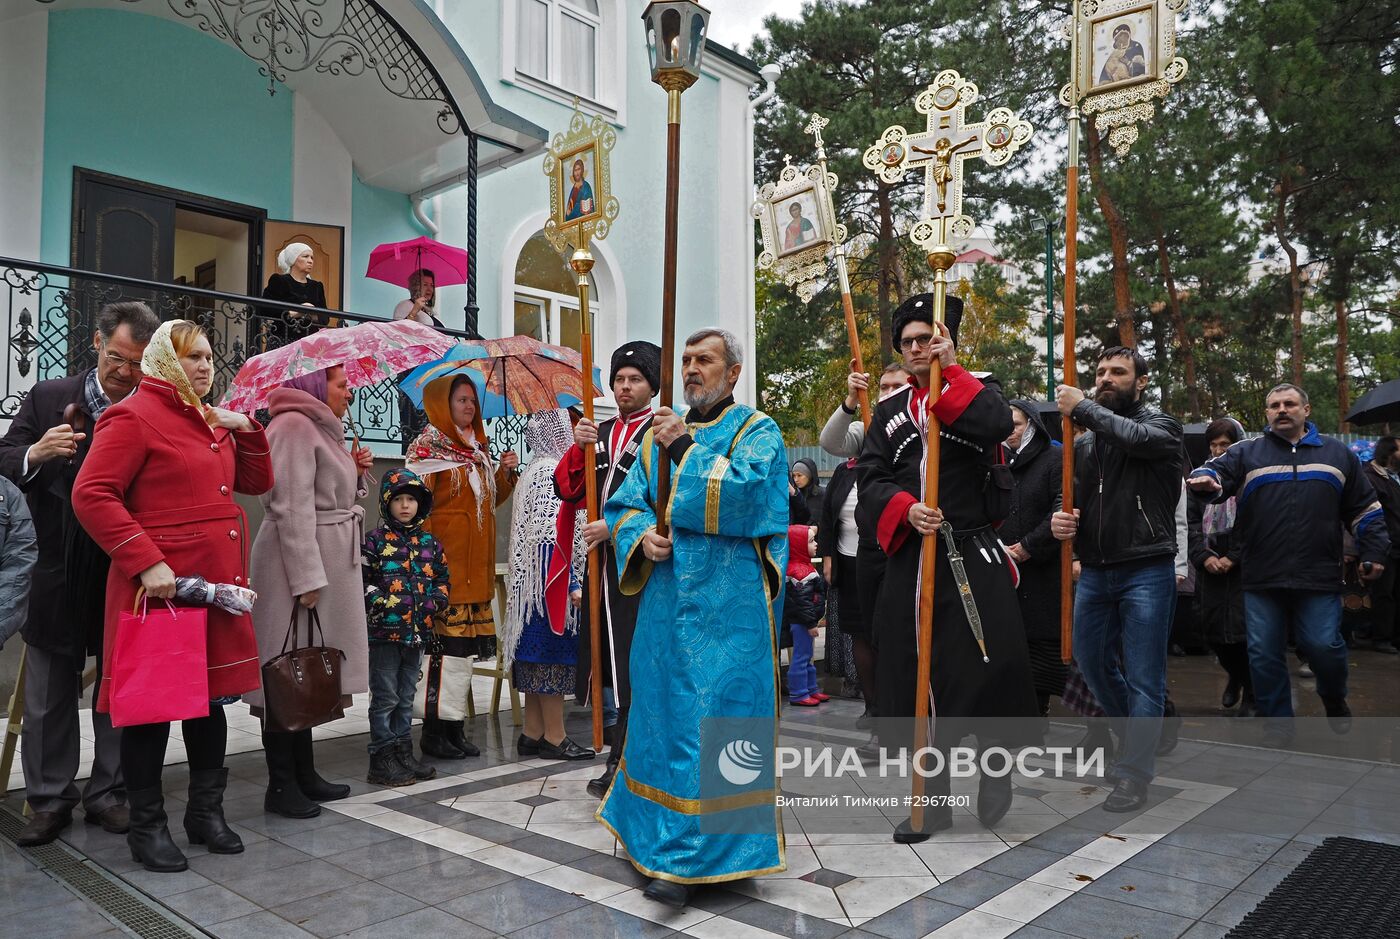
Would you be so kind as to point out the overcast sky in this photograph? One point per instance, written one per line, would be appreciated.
(735, 22)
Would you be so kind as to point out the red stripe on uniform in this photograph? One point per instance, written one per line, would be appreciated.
(961, 388)
(894, 522)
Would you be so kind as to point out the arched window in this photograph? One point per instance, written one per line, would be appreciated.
(558, 42)
(546, 296)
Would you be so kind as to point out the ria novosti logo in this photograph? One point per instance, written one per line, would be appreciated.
(740, 762)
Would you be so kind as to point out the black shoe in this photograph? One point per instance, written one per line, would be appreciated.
(598, 788)
(867, 720)
(528, 746)
(565, 749)
(993, 799)
(1386, 647)
(1097, 737)
(115, 819)
(308, 780)
(204, 814)
(671, 894)
(1231, 697)
(1176, 651)
(43, 828)
(1278, 735)
(410, 763)
(1338, 714)
(284, 797)
(1170, 735)
(935, 819)
(869, 752)
(385, 769)
(1128, 796)
(456, 735)
(149, 838)
(435, 743)
(1246, 706)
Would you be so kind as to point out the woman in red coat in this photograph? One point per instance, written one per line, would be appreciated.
(156, 493)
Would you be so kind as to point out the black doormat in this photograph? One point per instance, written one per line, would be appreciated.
(1344, 888)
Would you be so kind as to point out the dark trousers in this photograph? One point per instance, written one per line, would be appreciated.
(1385, 602)
(51, 738)
(143, 747)
(393, 678)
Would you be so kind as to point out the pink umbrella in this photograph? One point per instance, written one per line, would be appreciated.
(395, 262)
(370, 353)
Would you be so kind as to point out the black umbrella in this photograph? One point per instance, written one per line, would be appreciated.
(1377, 406)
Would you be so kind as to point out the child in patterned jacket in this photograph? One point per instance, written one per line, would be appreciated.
(406, 586)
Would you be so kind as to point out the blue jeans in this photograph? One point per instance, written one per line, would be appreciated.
(1316, 618)
(609, 708)
(802, 674)
(1127, 609)
(393, 678)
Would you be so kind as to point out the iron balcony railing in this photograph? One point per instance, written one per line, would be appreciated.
(49, 316)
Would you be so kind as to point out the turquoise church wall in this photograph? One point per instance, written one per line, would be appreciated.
(140, 97)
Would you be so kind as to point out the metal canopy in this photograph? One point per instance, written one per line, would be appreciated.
(387, 75)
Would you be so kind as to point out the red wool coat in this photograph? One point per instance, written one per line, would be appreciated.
(158, 485)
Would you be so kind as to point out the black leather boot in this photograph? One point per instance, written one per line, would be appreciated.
(284, 797)
(993, 798)
(434, 741)
(671, 894)
(404, 748)
(456, 734)
(599, 787)
(308, 780)
(148, 837)
(204, 815)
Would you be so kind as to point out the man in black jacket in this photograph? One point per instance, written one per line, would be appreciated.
(1127, 483)
(42, 453)
(1294, 491)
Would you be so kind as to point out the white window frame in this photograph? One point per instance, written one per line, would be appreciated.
(610, 61)
(554, 304)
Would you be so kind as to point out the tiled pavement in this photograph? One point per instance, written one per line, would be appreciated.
(497, 847)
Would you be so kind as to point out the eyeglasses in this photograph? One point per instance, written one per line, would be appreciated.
(117, 361)
(916, 342)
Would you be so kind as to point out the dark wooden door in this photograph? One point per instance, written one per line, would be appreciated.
(125, 232)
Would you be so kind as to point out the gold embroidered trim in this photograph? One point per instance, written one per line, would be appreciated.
(742, 800)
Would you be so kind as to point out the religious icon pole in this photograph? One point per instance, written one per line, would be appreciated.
(1122, 58)
(795, 245)
(573, 222)
(947, 143)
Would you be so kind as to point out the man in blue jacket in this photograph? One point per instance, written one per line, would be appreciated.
(1295, 489)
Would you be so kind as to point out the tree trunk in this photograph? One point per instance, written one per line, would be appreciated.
(888, 261)
(1295, 277)
(1183, 337)
(1343, 372)
(1118, 240)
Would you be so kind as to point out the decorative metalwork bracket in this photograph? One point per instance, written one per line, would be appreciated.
(1125, 59)
(581, 204)
(333, 37)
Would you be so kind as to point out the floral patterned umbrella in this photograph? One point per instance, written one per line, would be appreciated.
(515, 375)
(370, 353)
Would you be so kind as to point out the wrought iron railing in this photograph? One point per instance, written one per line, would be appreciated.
(50, 311)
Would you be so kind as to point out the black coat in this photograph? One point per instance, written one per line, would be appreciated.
(1219, 597)
(70, 578)
(805, 506)
(975, 420)
(1036, 472)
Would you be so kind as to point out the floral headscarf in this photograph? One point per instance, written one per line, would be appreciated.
(161, 361)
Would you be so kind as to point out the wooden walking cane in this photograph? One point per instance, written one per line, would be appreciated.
(949, 140)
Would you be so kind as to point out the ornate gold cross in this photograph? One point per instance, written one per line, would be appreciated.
(949, 140)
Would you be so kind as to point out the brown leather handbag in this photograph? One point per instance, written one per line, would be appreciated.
(301, 685)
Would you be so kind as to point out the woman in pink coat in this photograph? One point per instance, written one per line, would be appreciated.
(307, 554)
(156, 493)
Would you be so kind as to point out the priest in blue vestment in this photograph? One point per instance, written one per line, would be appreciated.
(695, 797)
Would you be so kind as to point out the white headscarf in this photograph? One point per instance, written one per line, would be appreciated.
(288, 256)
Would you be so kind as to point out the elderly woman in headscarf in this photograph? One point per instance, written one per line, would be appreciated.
(307, 555)
(452, 458)
(539, 638)
(293, 283)
(1035, 460)
(156, 493)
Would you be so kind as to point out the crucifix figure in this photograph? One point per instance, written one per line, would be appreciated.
(947, 142)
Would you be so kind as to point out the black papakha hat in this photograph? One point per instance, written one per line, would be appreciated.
(919, 309)
(644, 356)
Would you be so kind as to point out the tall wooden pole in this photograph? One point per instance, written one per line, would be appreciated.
(582, 263)
(1068, 370)
(668, 290)
(940, 259)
